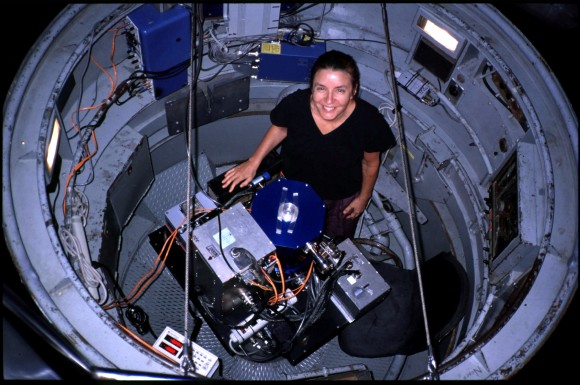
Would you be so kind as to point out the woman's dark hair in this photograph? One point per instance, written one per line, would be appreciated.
(337, 61)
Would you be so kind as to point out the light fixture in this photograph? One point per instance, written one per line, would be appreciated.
(51, 157)
(439, 34)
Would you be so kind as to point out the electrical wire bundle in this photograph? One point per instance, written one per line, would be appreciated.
(75, 245)
(297, 303)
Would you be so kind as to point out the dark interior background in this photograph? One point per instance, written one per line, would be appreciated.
(551, 28)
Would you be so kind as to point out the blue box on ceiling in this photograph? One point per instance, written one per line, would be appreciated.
(288, 62)
(165, 41)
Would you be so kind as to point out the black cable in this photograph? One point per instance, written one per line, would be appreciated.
(298, 10)
(196, 59)
(57, 191)
(139, 319)
(78, 118)
(217, 73)
(81, 85)
(240, 194)
(135, 314)
(305, 39)
(390, 253)
(164, 74)
(116, 286)
(295, 9)
(322, 297)
(219, 218)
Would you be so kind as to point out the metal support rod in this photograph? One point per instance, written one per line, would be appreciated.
(432, 364)
(187, 363)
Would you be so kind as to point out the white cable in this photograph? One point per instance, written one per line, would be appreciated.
(225, 57)
(80, 205)
(223, 47)
(390, 108)
(75, 245)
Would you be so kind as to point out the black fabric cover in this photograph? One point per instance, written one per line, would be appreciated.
(396, 326)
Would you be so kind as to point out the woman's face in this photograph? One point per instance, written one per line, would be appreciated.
(332, 92)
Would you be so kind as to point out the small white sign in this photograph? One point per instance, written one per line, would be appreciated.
(227, 238)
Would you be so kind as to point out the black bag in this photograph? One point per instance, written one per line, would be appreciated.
(396, 325)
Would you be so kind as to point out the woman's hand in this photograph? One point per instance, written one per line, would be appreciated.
(355, 208)
(241, 174)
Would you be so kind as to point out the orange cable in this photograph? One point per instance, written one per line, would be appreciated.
(301, 287)
(270, 301)
(150, 274)
(144, 343)
(75, 126)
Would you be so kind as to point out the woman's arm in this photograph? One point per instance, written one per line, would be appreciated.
(243, 173)
(370, 172)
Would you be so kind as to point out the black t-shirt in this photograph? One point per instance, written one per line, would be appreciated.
(330, 163)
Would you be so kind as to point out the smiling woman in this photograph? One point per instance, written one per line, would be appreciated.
(466, 191)
(329, 139)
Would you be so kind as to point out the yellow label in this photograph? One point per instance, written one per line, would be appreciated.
(273, 48)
